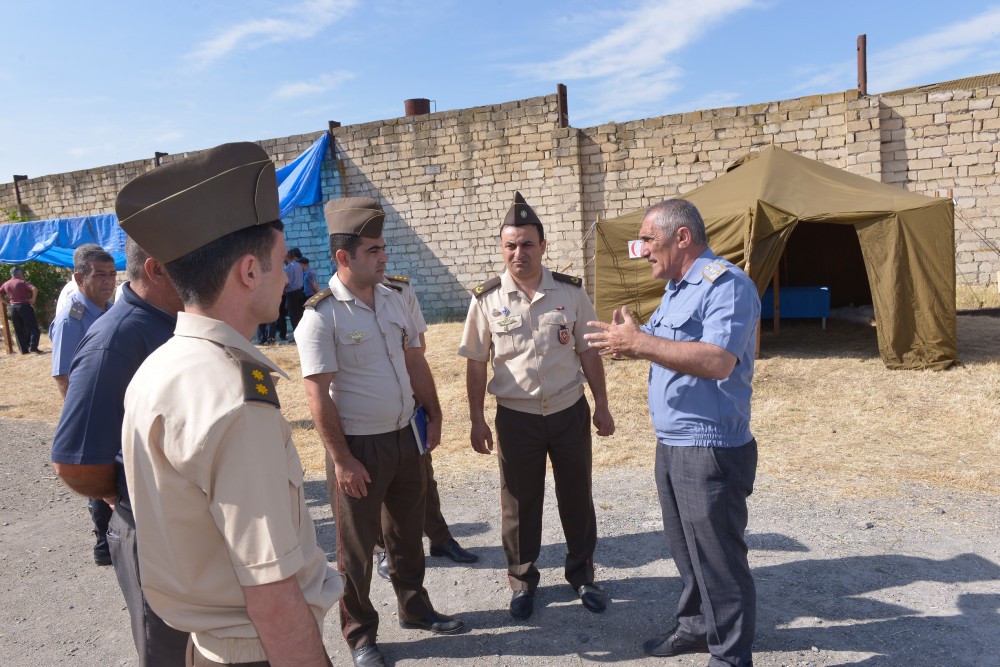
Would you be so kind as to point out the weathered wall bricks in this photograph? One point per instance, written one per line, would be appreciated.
(447, 178)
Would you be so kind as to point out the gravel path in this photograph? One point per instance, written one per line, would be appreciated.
(911, 580)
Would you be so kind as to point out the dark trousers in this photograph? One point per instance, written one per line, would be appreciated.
(265, 332)
(523, 442)
(100, 514)
(703, 496)
(295, 304)
(22, 318)
(435, 527)
(395, 505)
(157, 644)
(194, 658)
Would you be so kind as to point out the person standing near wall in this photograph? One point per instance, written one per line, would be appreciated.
(364, 378)
(86, 452)
(700, 342)
(94, 273)
(528, 324)
(20, 295)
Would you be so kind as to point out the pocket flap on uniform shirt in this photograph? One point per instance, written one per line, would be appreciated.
(675, 320)
(557, 319)
(505, 324)
(354, 337)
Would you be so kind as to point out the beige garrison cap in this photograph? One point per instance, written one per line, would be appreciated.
(185, 205)
(520, 214)
(362, 216)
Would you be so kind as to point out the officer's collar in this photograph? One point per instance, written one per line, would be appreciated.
(694, 274)
(508, 286)
(190, 325)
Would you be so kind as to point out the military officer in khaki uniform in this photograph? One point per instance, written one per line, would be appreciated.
(227, 548)
(529, 325)
(364, 376)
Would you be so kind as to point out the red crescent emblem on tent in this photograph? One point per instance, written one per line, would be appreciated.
(634, 249)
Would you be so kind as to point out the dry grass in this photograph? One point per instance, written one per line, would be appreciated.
(977, 296)
(826, 411)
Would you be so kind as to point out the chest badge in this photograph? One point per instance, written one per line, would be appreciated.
(563, 334)
(356, 336)
(495, 313)
(506, 323)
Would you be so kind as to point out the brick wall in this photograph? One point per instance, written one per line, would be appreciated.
(446, 179)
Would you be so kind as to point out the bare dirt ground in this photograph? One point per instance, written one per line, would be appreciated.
(912, 578)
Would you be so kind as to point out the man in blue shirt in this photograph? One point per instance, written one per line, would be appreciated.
(94, 273)
(294, 301)
(700, 342)
(86, 452)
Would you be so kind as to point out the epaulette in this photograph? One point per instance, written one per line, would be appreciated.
(258, 385)
(386, 283)
(713, 271)
(398, 279)
(563, 278)
(76, 310)
(317, 297)
(488, 286)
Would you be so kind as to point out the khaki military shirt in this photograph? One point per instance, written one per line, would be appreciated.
(533, 346)
(216, 488)
(364, 350)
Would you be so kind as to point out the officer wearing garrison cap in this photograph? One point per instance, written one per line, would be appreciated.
(227, 548)
(364, 377)
(529, 325)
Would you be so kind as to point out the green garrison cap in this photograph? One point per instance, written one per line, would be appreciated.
(185, 205)
(362, 216)
(520, 214)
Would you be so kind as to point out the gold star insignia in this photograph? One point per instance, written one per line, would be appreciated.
(257, 375)
(261, 389)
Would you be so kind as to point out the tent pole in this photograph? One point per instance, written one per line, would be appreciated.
(6, 331)
(777, 300)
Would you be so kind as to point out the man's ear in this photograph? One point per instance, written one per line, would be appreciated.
(78, 278)
(343, 258)
(248, 271)
(155, 272)
(683, 237)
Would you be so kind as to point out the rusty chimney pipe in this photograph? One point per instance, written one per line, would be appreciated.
(417, 106)
(863, 65)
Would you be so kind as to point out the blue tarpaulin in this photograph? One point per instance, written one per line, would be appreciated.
(298, 182)
(53, 241)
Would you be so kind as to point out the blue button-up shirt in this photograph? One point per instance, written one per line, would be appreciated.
(714, 306)
(294, 272)
(90, 429)
(68, 330)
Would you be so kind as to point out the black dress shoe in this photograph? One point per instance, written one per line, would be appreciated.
(437, 623)
(522, 603)
(672, 644)
(593, 598)
(102, 558)
(382, 565)
(454, 551)
(367, 656)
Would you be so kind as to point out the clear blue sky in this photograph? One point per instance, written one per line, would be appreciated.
(93, 83)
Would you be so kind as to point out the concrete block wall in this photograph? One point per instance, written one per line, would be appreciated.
(940, 142)
(446, 181)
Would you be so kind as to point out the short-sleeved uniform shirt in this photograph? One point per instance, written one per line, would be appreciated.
(17, 290)
(365, 351)
(69, 328)
(217, 488)
(534, 346)
(308, 278)
(90, 429)
(412, 304)
(293, 270)
(714, 303)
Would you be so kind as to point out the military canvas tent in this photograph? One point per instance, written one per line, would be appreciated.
(831, 222)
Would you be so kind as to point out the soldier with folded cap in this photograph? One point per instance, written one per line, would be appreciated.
(529, 324)
(227, 548)
(364, 377)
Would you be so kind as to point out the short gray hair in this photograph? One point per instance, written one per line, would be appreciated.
(672, 214)
(135, 261)
(85, 256)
